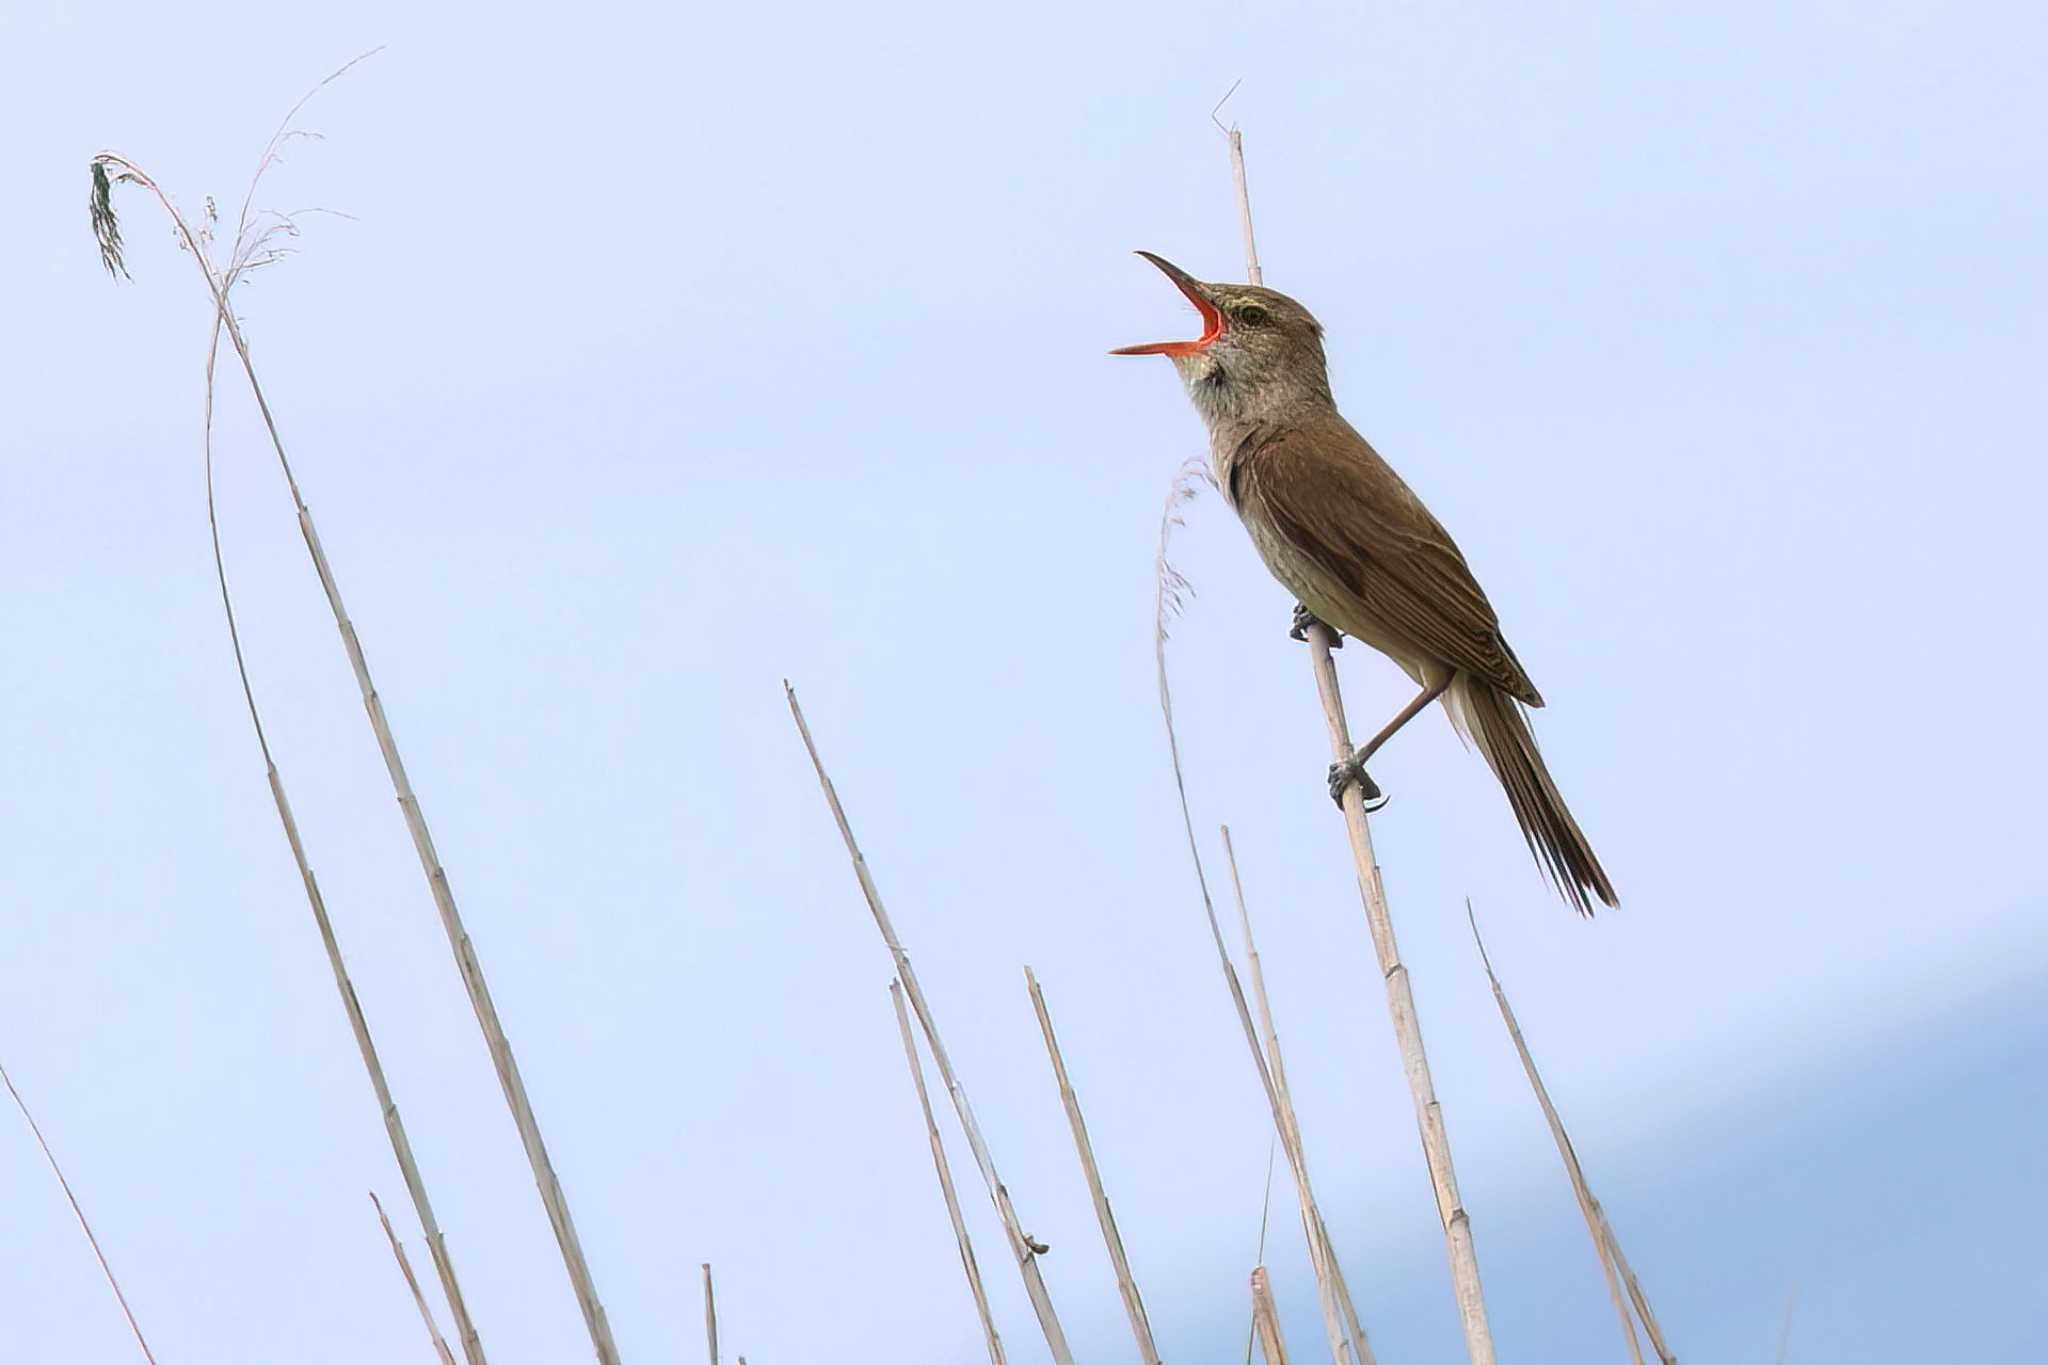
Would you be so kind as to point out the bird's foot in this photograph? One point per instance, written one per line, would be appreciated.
(1304, 618)
(1351, 773)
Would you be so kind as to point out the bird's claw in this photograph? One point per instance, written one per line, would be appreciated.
(1304, 618)
(1352, 773)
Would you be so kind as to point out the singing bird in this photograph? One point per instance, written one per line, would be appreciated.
(1361, 554)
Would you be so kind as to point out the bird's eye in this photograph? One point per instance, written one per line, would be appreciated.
(1251, 315)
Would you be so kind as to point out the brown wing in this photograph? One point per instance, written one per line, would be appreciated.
(1330, 494)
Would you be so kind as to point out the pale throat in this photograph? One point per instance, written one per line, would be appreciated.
(1227, 397)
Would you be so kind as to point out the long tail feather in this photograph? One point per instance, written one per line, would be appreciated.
(1493, 721)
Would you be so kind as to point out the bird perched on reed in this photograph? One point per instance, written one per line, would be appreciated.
(1361, 554)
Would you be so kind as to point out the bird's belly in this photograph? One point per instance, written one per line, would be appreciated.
(1333, 603)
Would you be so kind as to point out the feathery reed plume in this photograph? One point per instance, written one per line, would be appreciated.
(1436, 1147)
(78, 1212)
(1604, 1243)
(1170, 592)
(1134, 1307)
(1266, 1320)
(412, 1282)
(1022, 1246)
(252, 249)
(1335, 1293)
(945, 1173)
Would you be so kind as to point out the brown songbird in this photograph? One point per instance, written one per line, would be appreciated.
(1360, 552)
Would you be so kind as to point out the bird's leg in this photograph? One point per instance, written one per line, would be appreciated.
(1304, 618)
(1352, 769)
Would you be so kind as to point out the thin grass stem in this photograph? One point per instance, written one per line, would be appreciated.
(78, 1212)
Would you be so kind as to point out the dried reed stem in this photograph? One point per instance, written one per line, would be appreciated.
(1334, 1292)
(710, 1317)
(219, 284)
(1436, 1147)
(78, 1212)
(1021, 1245)
(945, 1173)
(1266, 1319)
(467, 964)
(359, 1024)
(412, 1282)
(1134, 1307)
(1588, 1205)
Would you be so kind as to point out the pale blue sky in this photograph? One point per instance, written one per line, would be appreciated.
(671, 354)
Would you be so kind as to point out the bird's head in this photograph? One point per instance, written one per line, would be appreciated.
(1260, 353)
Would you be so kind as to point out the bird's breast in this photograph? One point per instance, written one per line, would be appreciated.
(1326, 594)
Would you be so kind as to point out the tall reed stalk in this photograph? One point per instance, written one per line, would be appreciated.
(1022, 1246)
(1436, 1146)
(250, 253)
(78, 1211)
(359, 1024)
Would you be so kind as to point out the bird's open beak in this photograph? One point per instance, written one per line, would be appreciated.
(1212, 317)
